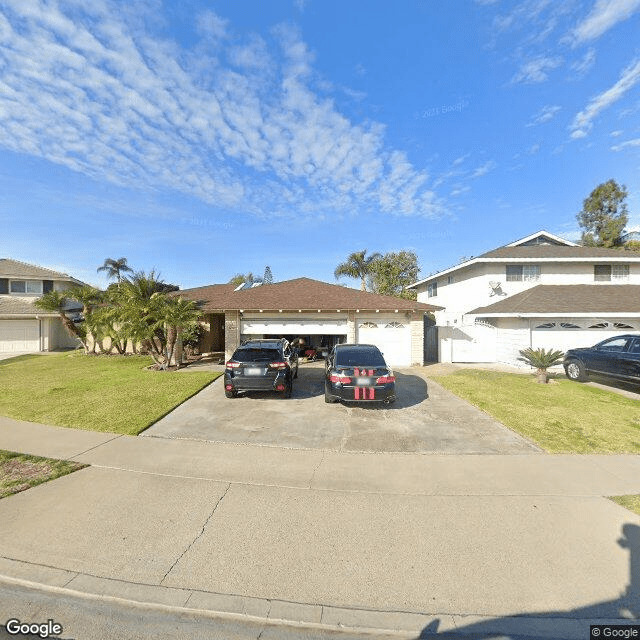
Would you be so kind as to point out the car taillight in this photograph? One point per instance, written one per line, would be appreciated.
(232, 364)
(277, 365)
(341, 379)
(385, 379)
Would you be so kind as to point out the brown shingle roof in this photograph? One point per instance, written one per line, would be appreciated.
(301, 293)
(10, 306)
(542, 251)
(569, 298)
(16, 269)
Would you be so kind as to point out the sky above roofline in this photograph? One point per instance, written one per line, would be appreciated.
(206, 138)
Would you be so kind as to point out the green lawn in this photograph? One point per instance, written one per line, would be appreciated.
(630, 502)
(98, 393)
(561, 417)
(19, 471)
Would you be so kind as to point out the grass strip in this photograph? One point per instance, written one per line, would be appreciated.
(561, 417)
(19, 471)
(629, 502)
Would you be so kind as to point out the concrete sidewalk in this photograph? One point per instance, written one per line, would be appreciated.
(377, 541)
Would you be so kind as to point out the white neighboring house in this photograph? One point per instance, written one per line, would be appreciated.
(24, 327)
(540, 291)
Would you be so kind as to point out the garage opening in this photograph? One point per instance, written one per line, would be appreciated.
(314, 337)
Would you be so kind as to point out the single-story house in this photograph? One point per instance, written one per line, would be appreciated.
(321, 313)
(24, 327)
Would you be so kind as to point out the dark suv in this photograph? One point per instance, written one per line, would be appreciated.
(261, 365)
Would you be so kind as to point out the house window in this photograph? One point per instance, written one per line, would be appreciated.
(449, 279)
(26, 286)
(608, 272)
(523, 272)
(432, 290)
(368, 325)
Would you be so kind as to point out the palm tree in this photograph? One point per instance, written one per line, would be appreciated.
(56, 302)
(358, 265)
(541, 360)
(115, 268)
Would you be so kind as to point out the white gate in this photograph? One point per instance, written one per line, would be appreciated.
(473, 343)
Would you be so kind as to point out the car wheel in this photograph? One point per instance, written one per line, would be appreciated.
(575, 371)
(288, 390)
(230, 394)
(328, 398)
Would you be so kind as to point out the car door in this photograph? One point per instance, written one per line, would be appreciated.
(607, 357)
(630, 360)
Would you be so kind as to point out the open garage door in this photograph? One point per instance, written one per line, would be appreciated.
(393, 338)
(293, 326)
(19, 335)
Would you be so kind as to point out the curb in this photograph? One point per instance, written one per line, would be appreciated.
(291, 615)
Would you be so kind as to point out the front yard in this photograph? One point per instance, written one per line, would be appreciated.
(98, 393)
(561, 417)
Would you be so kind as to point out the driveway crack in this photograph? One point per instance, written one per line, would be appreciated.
(204, 526)
(313, 475)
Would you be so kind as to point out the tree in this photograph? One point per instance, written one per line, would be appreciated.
(541, 360)
(357, 265)
(240, 278)
(56, 302)
(267, 278)
(392, 273)
(604, 215)
(115, 268)
(147, 314)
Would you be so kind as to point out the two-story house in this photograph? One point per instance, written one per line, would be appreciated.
(540, 291)
(24, 327)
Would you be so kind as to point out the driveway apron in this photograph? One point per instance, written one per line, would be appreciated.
(425, 419)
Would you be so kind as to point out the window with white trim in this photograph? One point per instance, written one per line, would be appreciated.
(25, 286)
(609, 272)
(523, 272)
(432, 290)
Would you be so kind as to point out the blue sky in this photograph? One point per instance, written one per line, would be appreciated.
(207, 138)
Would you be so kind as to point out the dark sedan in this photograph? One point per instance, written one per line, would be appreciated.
(616, 358)
(358, 373)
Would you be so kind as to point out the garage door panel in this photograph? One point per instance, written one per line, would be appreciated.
(19, 335)
(393, 338)
(293, 327)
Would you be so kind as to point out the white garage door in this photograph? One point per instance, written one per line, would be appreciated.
(393, 338)
(19, 335)
(293, 326)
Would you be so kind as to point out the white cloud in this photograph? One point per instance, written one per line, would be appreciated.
(627, 144)
(604, 15)
(545, 114)
(616, 133)
(484, 169)
(582, 66)
(535, 71)
(84, 88)
(583, 121)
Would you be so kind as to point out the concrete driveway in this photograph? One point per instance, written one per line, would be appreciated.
(426, 418)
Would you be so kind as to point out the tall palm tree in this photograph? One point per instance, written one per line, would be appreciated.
(115, 268)
(357, 265)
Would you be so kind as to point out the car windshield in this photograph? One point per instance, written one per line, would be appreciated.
(257, 355)
(361, 356)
